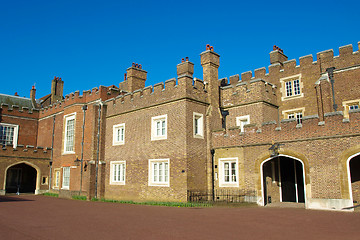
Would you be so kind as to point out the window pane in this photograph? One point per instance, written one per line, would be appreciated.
(226, 172)
(233, 172)
(158, 128)
(296, 87)
(155, 172)
(166, 172)
(160, 172)
(288, 89)
(70, 135)
(163, 128)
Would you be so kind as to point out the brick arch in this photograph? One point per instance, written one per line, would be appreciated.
(344, 170)
(38, 173)
(284, 153)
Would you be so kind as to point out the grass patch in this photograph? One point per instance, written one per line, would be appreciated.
(51, 194)
(76, 197)
(167, 204)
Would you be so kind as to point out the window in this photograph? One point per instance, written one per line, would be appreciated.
(57, 178)
(353, 107)
(117, 172)
(69, 133)
(66, 178)
(228, 172)
(159, 172)
(297, 116)
(8, 134)
(291, 87)
(350, 106)
(242, 121)
(198, 125)
(119, 134)
(159, 127)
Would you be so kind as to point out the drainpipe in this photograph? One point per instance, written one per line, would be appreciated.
(52, 153)
(97, 151)
(212, 151)
(82, 148)
(331, 76)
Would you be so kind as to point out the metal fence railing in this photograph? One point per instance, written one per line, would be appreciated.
(221, 195)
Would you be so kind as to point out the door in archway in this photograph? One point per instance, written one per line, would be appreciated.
(355, 178)
(283, 180)
(22, 178)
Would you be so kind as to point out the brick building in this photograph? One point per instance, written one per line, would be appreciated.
(289, 134)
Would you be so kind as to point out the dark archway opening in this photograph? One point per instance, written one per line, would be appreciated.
(355, 178)
(22, 178)
(283, 180)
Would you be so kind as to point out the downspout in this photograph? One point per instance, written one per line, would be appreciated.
(52, 153)
(212, 151)
(97, 150)
(331, 76)
(82, 149)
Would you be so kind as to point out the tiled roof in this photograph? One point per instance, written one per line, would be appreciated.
(16, 100)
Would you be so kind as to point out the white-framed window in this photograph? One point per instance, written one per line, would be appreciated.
(117, 172)
(69, 136)
(66, 178)
(159, 127)
(228, 172)
(8, 134)
(198, 125)
(57, 178)
(350, 105)
(159, 172)
(119, 134)
(242, 121)
(297, 114)
(291, 87)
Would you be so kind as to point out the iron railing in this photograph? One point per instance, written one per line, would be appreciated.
(221, 195)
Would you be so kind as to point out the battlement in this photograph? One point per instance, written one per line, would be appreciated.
(27, 151)
(256, 90)
(88, 96)
(15, 110)
(335, 125)
(163, 92)
(325, 59)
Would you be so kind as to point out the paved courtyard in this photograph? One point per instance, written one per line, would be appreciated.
(40, 217)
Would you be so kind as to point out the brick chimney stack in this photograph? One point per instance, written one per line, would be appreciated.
(277, 56)
(210, 61)
(185, 68)
(134, 79)
(32, 94)
(57, 86)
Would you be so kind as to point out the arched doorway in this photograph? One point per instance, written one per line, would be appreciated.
(283, 180)
(354, 170)
(21, 178)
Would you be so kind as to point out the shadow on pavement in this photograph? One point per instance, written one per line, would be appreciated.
(13, 199)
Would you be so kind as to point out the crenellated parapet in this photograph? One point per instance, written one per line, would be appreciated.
(15, 110)
(102, 93)
(26, 152)
(256, 90)
(333, 126)
(278, 69)
(164, 92)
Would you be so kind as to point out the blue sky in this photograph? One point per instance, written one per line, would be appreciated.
(91, 43)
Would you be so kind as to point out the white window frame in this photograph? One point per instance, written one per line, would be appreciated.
(242, 121)
(65, 184)
(67, 118)
(116, 140)
(296, 90)
(297, 114)
(222, 180)
(56, 178)
(117, 165)
(198, 125)
(15, 132)
(155, 167)
(155, 134)
(348, 104)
